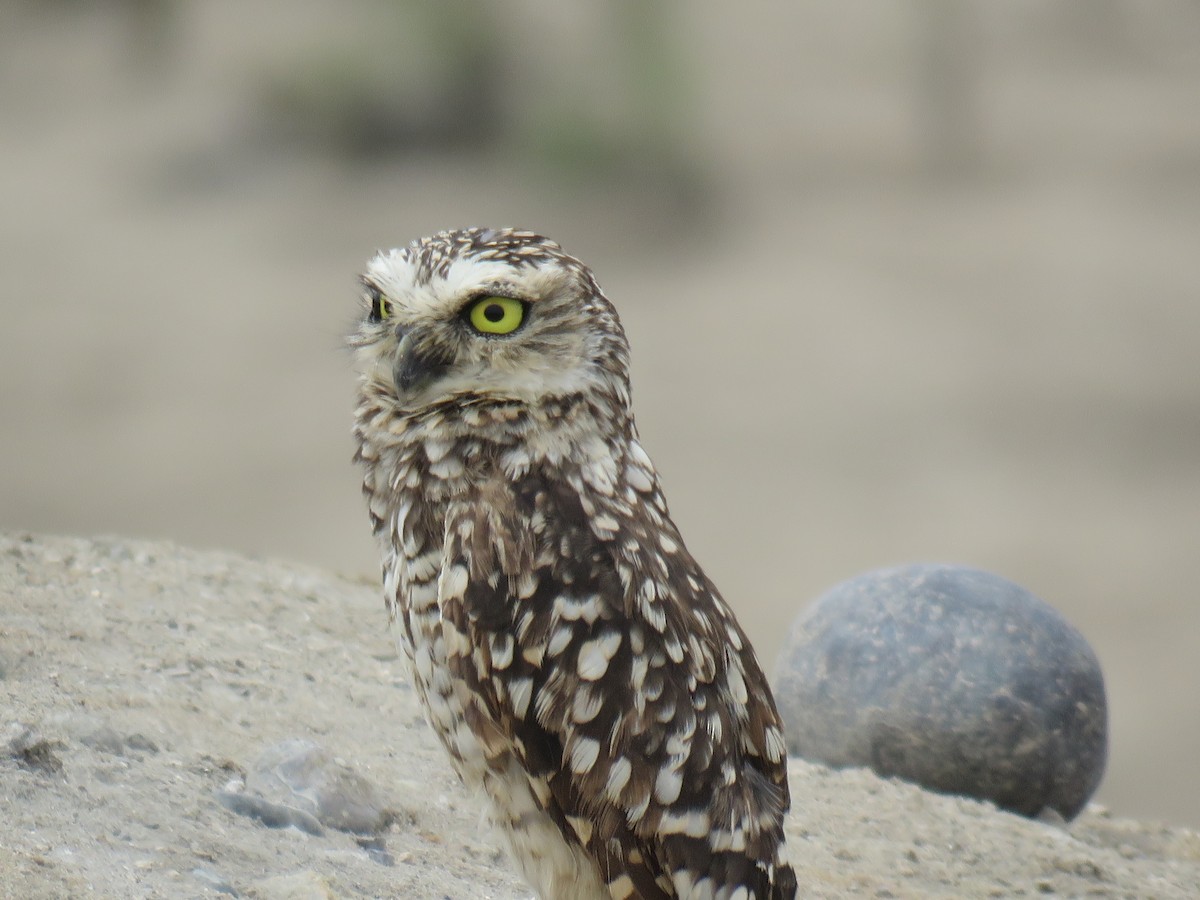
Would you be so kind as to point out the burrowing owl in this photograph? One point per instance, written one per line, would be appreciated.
(570, 653)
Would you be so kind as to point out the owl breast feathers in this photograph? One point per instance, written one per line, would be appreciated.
(571, 655)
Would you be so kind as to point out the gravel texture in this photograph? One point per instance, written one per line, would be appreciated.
(145, 685)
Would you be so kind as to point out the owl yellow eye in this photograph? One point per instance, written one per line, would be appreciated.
(496, 315)
(381, 308)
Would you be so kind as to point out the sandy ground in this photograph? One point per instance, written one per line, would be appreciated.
(844, 358)
(140, 679)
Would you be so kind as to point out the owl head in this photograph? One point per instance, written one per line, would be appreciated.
(483, 314)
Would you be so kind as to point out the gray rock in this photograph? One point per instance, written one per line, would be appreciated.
(99, 734)
(273, 815)
(299, 774)
(952, 678)
(106, 739)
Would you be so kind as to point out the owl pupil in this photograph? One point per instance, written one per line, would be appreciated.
(494, 312)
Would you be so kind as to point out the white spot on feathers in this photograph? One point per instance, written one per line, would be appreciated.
(693, 823)
(600, 472)
(595, 654)
(559, 641)
(736, 683)
(621, 887)
(604, 525)
(618, 777)
(422, 596)
(714, 728)
(581, 827)
(639, 457)
(515, 463)
(450, 467)
(453, 582)
(502, 646)
(525, 585)
(674, 650)
(733, 841)
(667, 786)
(456, 643)
(776, 746)
(639, 479)
(435, 450)
(735, 639)
(423, 663)
(638, 809)
(423, 567)
(586, 705)
(584, 754)
(574, 609)
(519, 692)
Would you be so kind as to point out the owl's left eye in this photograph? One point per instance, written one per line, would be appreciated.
(381, 308)
(496, 315)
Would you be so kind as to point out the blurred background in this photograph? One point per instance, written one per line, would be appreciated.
(916, 281)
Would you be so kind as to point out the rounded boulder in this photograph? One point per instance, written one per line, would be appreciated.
(952, 678)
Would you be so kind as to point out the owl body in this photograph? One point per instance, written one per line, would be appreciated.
(570, 654)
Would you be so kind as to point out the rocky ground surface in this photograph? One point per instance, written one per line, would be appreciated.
(198, 724)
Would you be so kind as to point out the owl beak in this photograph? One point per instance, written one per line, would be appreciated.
(416, 366)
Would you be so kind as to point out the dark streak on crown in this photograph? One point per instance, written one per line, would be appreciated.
(434, 255)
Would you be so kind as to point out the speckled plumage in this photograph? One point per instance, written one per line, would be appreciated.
(571, 655)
